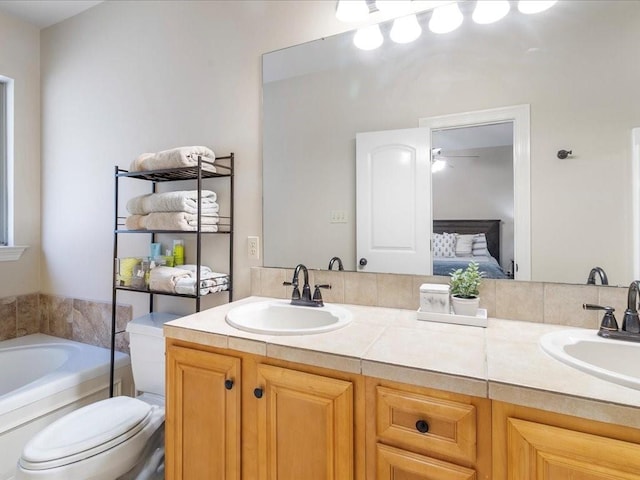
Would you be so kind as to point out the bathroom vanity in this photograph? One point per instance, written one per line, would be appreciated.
(388, 397)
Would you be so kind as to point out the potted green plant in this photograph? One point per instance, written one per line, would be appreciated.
(465, 294)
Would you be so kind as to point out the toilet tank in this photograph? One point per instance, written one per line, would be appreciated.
(147, 345)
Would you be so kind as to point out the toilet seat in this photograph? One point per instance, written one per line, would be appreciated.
(86, 432)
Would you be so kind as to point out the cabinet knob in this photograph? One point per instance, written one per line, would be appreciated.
(257, 392)
(228, 384)
(422, 426)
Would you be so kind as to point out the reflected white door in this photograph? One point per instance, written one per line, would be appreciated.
(393, 201)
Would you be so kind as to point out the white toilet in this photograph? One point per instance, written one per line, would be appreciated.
(116, 438)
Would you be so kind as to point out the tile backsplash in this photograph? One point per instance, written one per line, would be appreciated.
(80, 320)
(90, 322)
(553, 303)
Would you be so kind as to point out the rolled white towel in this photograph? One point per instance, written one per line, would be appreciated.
(204, 270)
(220, 279)
(178, 201)
(164, 279)
(187, 222)
(187, 286)
(174, 158)
(219, 288)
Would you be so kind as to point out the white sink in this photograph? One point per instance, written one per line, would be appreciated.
(279, 317)
(613, 360)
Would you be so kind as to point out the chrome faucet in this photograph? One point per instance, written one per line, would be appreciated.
(334, 260)
(591, 280)
(305, 299)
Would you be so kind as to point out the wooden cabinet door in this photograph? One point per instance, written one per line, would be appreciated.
(537, 451)
(305, 426)
(203, 415)
(396, 464)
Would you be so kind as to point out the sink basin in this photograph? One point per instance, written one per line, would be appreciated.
(613, 360)
(279, 317)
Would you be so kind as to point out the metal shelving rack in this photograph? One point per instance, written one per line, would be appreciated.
(224, 168)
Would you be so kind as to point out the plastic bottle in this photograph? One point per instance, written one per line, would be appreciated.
(168, 258)
(178, 252)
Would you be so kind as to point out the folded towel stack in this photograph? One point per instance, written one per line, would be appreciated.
(181, 201)
(175, 158)
(174, 211)
(187, 222)
(183, 281)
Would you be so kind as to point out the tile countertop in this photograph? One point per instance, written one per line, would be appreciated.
(502, 362)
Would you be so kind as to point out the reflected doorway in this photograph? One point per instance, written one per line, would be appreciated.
(473, 189)
(519, 117)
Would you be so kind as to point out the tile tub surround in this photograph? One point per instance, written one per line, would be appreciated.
(552, 303)
(71, 318)
(501, 362)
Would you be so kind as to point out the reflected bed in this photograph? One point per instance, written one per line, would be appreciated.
(489, 263)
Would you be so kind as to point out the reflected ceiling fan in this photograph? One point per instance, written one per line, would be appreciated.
(439, 160)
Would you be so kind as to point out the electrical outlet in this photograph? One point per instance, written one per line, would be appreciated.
(338, 216)
(253, 247)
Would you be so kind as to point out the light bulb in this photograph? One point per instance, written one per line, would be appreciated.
(445, 19)
(352, 10)
(405, 29)
(489, 11)
(535, 6)
(368, 38)
(438, 165)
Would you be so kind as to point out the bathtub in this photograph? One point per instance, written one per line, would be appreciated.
(43, 378)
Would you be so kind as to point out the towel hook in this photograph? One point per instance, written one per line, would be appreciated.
(562, 154)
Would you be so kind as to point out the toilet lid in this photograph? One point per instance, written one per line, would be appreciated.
(86, 432)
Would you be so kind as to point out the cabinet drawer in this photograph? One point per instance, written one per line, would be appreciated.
(393, 463)
(426, 425)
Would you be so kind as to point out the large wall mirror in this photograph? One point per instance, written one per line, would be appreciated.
(575, 66)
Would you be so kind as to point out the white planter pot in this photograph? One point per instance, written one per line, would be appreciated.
(465, 306)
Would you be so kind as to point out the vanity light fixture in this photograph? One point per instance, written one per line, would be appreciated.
(489, 11)
(405, 29)
(368, 38)
(352, 10)
(535, 6)
(445, 18)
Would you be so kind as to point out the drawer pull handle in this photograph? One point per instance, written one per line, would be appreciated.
(257, 392)
(422, 426)
(228, 384)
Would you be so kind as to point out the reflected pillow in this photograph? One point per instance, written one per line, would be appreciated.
(444, 244)
(464, 245)
(480, 245)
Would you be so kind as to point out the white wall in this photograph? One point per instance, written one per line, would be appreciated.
(20, 60)
(129, 77)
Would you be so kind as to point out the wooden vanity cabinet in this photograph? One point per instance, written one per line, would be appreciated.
(424, 434)
(202, 423)
(277, 421)
(305, 425)
(232, 416)
(530, 444)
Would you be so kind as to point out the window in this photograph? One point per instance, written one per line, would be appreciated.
(8, 250)
(4, 184)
